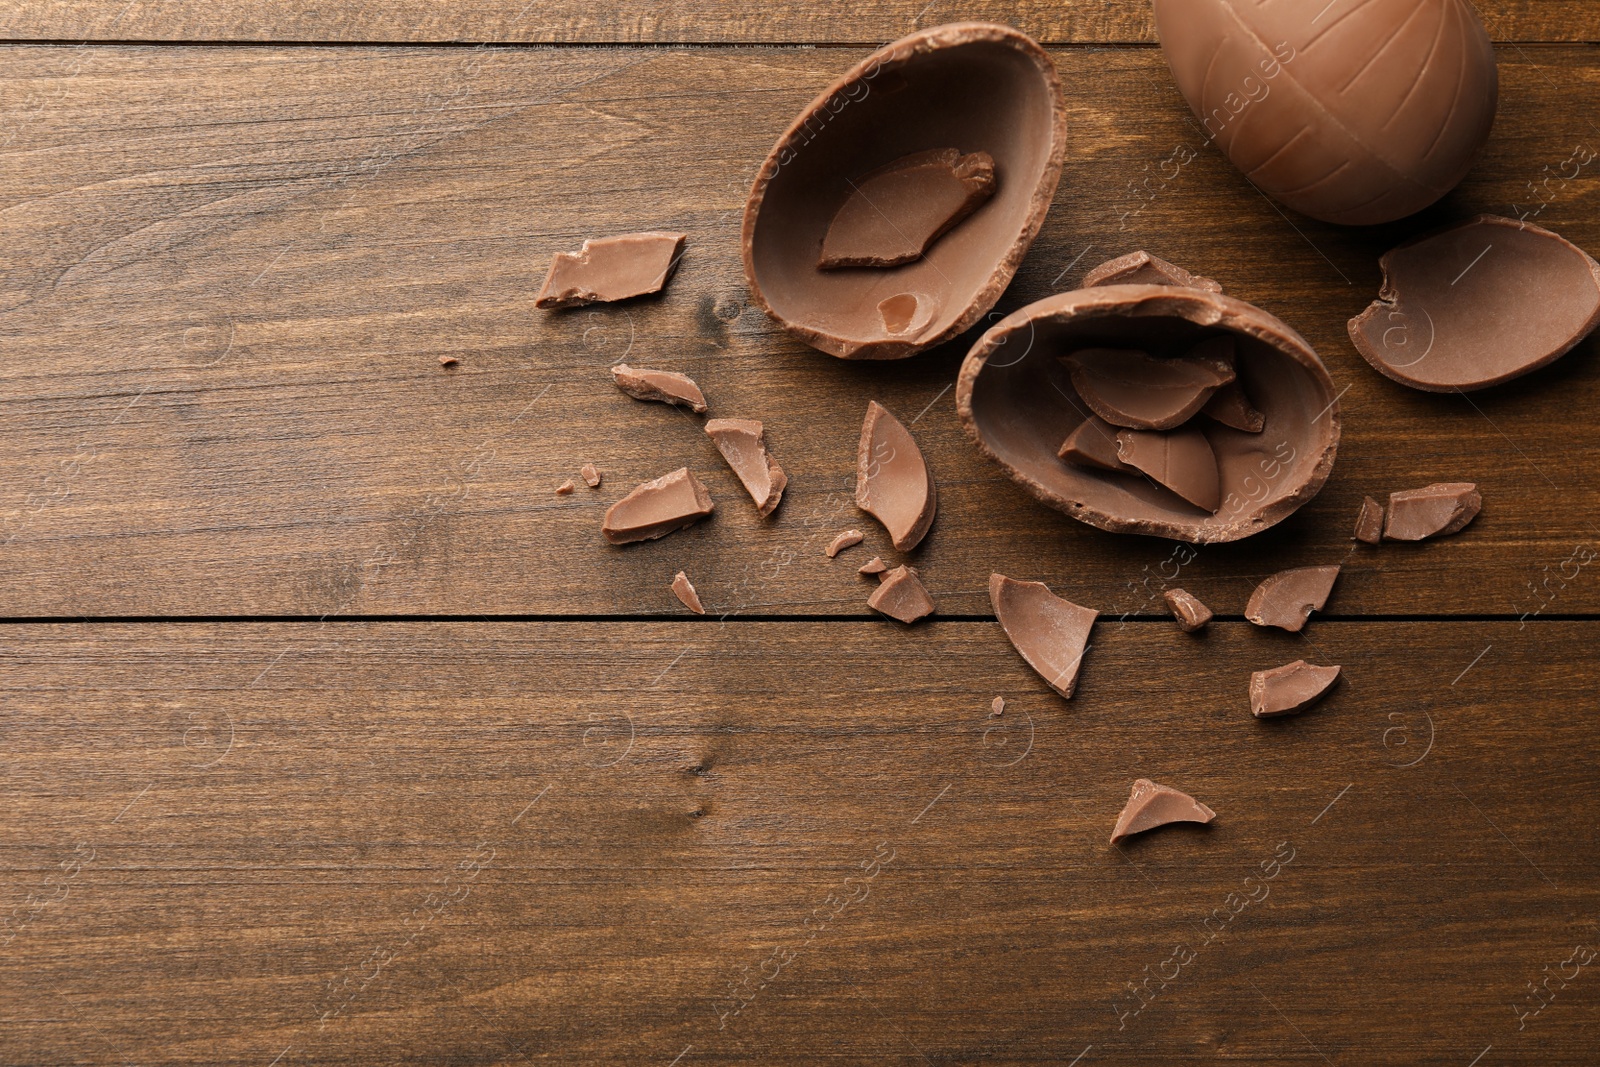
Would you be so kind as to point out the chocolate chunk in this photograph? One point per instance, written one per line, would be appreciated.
(895, 212)
(1287, 599)
(1151, 805)
(1141, 268)
(1230, 405)
(900, 595)
(591, 475)
(984, 89)
(1436, 511)
(1125, 387)
(1181, 460)
(610, 268)
(664, 386)
(448, 361)
(1369, 524)
(565, 487)
(845, 540)
(1052, 634)
(873, 566)
(1478, 304)
(893, 484)
(743, 445)
(997, 707)
(672, 502)
(1094, 445)
(1288, 689)
(1187, 609)
(684, 589)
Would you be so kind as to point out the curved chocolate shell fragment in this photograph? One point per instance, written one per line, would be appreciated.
(654, 509)
(1181, 460)
(1230, 406)
(901, 596)
(1350, 111)
(1052, 634)
(1287, 599)
(1289, 689)
(897, 211)
(1141, 268)
(1369, 524)
(1151, 805)
(742, 443)
(1093, 444)
(611, 268)
(973, 88)
(1187, 609)
(1127, 388)
(893, 484)
(662, 386)
(1478, 304)
(1438, 510)
(1018, 405)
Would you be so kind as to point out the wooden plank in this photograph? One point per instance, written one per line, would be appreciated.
(231, 271)
(636, 22)
(579, 842)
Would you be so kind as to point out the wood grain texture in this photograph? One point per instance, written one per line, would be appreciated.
(565, 842)
(636, 22)
(230, 273)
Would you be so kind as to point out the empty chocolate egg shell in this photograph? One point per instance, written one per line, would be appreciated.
(893, 212)
(1017, 399)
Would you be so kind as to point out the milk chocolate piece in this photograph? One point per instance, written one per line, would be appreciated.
(975, 87)
(1141, 268)
(893, 484)
(672, 502)
(610, 268)
(1125, 387)
(1292, 688)
(1230, 405)
(1187, 609)
(873, 566)
(1094, 445)
(1478, 304)
(997, 707)
(845, 540)
(1369, 524)
(895, 212)
(900, 595)
(683, 588)
(1151, 805)
(591, 475)
(1052, 634)
(742, 443)
(1439, 510)
(565, 488)
(664, 386)
(1287, 599)
(1181, 460)
(1350, 111)
(448, 361)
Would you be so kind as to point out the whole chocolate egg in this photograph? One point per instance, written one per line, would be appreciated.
(1354, 111)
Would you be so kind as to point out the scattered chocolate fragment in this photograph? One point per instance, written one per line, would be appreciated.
(1151, 805)
(1128, 388)
(654, 509)
(683, 588)
(1052, 634)
(1288, 689)
(900, 595)
(742, 443)
(1141, 268)
(997, 708)
(565, 487)
(610, 268)
(873, 566)
(448, 361)
(1287, 599)
(663, 386)
(1094, 445)
(1230, 405)
(895, 212)
(1187, 609)
(591, 475)
(1181, 460)
(845, 540)
(1369, 524)
(893, 484)
(1435, 511)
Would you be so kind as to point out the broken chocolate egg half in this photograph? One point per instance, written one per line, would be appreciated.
(1017, 399)
(893, 212)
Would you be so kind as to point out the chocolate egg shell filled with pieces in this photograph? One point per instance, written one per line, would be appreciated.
(1350, 111)
(1017, 399)
(893, 212)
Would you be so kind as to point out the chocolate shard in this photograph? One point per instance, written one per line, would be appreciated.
(900, 595)
(742, 443)
(663, 386)
(1151, 805)
(654, 509)
(1478, 304)
(683, 588)
(1187, 609)
(565, 488)
(591, 475)
(1287, 599)
(997, 707)
(448, 361)
(1230, 405)
(1181, 460)
(893, 484)
(1141, 268)
(896, 212)
(847, 539)
(873, 566)
(1369, 524)
(1128, 388)
(610, 268)
(1093, 445)
(1435, 511)
(1052, 634)
(1292, 688)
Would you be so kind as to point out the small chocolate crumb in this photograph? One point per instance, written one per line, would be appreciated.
(1369, 524)
(448, 361)
(654, 509)
(684, 589)
(1294, 687)
(998, 707)
(1287, 599)
(610, 268)
(1436, 511)
(1151, 805)
(900, 595)
(742, 443)
(1052, 634)
(591, 475)
(662, 386)
(845, 540)
(1187, 609)
(565, 487)
(873, 566)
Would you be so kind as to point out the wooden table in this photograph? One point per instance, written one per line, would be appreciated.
(332, 735)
